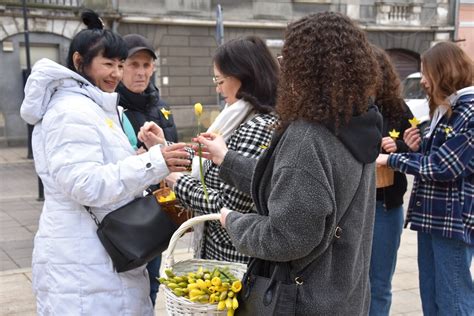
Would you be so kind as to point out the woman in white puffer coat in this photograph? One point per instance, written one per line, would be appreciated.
(84, 158)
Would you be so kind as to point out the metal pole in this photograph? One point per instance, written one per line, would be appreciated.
(456, 20)
(219, 39)
(28, 71)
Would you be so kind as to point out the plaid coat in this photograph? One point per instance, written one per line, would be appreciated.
(250, 139)
(442, 198)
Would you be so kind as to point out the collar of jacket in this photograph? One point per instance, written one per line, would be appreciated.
(137, 101)
(46, 78)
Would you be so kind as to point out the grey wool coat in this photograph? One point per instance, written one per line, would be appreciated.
(305, 183)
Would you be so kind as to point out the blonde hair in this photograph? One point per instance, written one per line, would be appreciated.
(448, 69)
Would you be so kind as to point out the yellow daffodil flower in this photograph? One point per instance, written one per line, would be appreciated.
(166, 113)
(198, 109)
(198, 112)
(414, 122)
(394, 134)
(168, 198)
(109, 122)
(236, 286)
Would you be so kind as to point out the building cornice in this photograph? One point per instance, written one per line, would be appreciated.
(269, 24)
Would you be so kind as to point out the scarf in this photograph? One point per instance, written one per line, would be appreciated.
(137, 101)
(231, 117)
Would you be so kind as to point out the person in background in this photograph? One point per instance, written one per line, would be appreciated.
(388, 223)
(246, 76)
(441, 207)
(139, 97)
(84, 159)
(141, 102)
(314, 187)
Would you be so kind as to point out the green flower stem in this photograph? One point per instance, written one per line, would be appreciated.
(201, 169)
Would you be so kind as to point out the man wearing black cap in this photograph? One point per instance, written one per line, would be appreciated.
(141, 102)
(138, 96)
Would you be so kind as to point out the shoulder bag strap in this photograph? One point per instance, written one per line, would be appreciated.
(96, 220)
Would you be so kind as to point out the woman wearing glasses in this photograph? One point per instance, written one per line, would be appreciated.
(245, 74)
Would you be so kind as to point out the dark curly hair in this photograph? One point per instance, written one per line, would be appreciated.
(328, 71)
(388, 91)
(249, 60)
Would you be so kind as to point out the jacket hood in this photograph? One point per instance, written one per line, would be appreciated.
(46, 78)
(363, 135)
(456, 96)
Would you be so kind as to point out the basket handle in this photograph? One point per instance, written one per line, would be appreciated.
(168, 254)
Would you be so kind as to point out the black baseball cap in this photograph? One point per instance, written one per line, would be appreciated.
(136, 42)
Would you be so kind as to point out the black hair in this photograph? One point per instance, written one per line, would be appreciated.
(249, 60)
(93, 41)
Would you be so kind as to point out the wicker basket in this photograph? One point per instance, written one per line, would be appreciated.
(179, 305)
(177, 213)
(384, 176)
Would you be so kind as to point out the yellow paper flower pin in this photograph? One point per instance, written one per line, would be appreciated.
(394, 134)
(166, 113)
(198, 109)
(448, 130)
(414, 122)
(109, 122)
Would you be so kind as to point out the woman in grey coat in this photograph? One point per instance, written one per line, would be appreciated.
(314, 187)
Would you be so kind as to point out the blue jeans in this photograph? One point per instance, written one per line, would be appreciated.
(388, 227)
(446, 284)
(153, 268)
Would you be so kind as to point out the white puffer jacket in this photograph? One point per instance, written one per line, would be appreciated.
(83, 158)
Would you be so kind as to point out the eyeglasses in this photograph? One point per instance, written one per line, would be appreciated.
(218, 81)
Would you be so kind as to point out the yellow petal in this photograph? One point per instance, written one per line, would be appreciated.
(394, 134)
(198, 109)
(166, 113)
(414, 122)
(109, 122)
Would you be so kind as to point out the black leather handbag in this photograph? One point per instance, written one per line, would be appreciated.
(268, 289)
(135, 233)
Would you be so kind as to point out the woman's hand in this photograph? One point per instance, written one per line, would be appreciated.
(412, 138)
(151, 134)
(214, 148)
(172, 178)
(389, 144)
(176, 157)
(224, 213)
(382, 160)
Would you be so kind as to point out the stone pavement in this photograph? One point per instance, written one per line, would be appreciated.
(19, 214)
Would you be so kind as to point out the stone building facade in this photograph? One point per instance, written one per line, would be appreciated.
(183, 34)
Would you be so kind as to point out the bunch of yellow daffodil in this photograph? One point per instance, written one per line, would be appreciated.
(203, 286)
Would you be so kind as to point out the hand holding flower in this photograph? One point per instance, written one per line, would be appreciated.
(389, 144)
(214, 148)
(412, 138)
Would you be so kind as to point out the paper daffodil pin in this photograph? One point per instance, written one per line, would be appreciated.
(109, 122)
(394, 134)
(448, 130)
(166, 113)
(414, 122)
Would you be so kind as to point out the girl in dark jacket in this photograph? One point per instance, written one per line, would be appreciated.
(389, 204)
